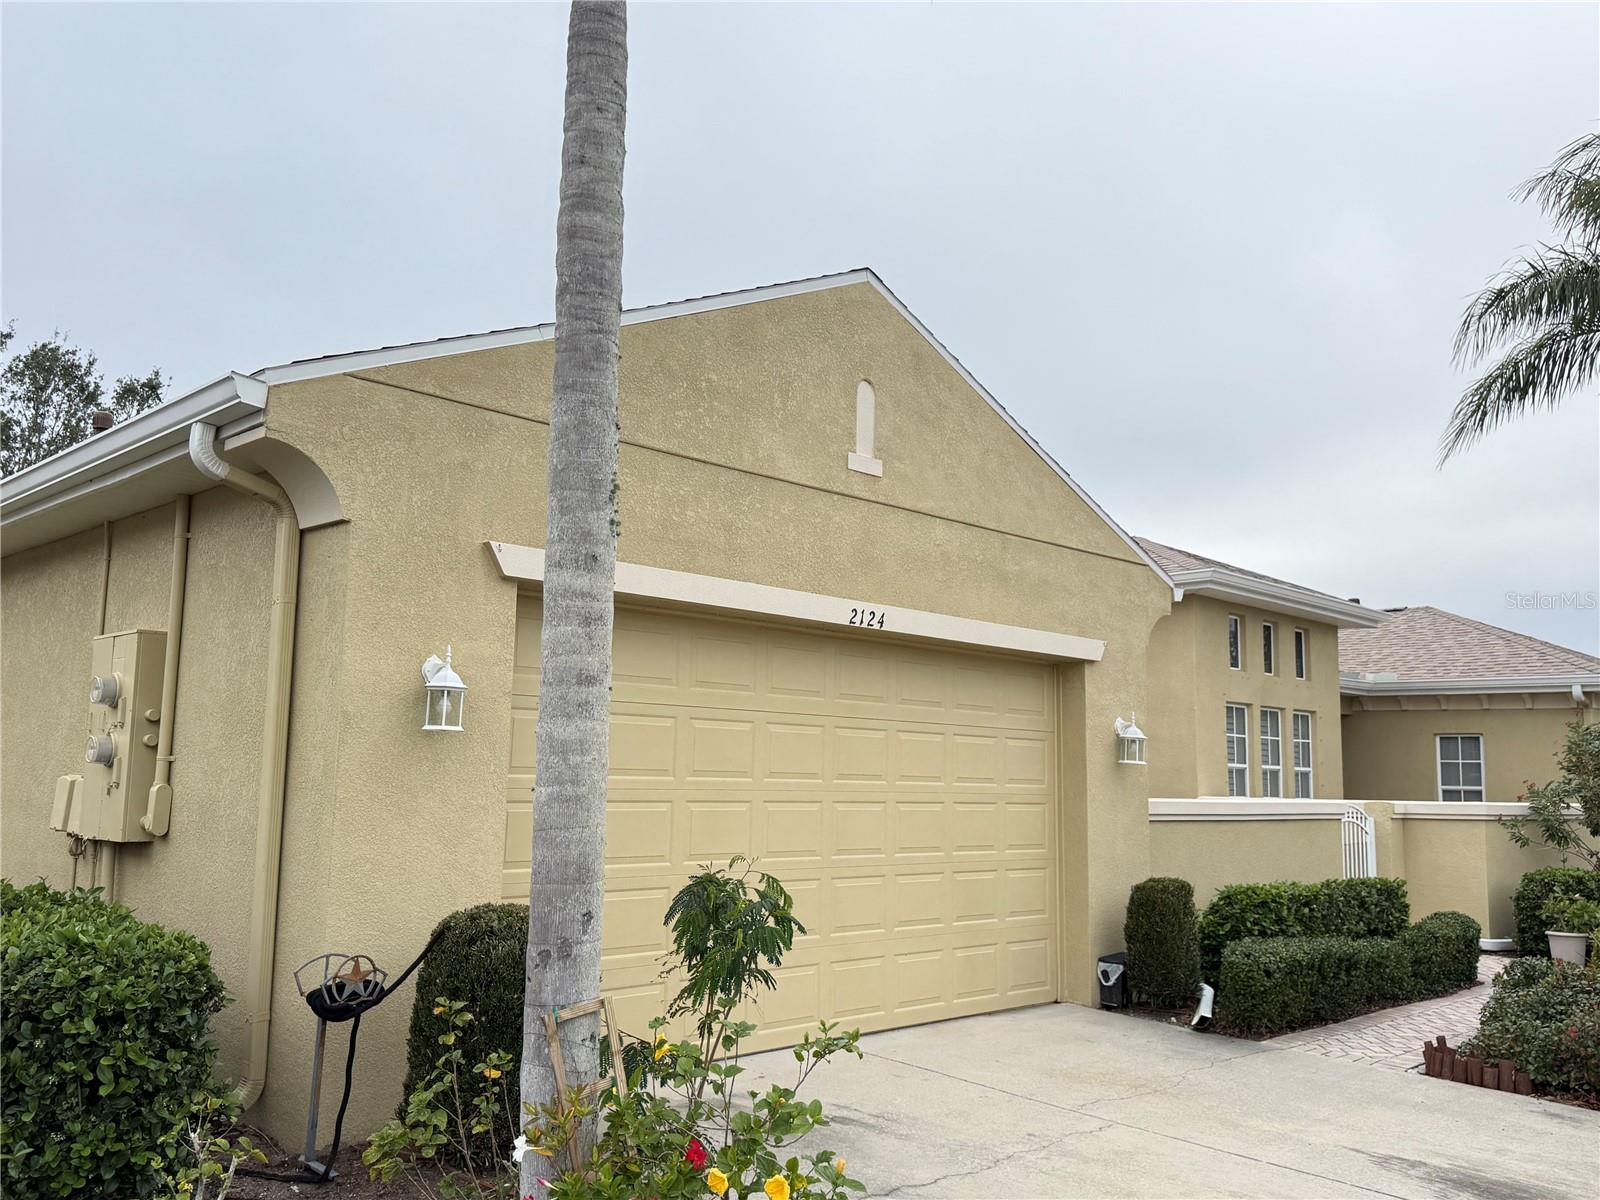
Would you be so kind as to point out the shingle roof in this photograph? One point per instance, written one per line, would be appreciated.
(1427, 643)
(1172, 560)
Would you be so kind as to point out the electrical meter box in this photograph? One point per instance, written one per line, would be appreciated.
(108, 800)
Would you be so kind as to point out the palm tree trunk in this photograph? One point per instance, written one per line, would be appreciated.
(567, 887)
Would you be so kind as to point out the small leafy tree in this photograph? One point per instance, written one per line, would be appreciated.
(48, 396)
(1559, 813)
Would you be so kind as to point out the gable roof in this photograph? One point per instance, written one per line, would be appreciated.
(78, 470)
(1203, 576)
(1424, 648)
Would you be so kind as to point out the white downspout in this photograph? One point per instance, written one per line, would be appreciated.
(257, 998)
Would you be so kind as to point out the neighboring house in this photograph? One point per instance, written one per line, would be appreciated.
(840, 646)
(1439, 707)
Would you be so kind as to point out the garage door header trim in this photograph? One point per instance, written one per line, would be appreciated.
(525, 564)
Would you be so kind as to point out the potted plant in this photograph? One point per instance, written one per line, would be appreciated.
(1570, 921)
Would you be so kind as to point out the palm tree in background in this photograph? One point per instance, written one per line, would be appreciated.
(569, 802)
(1542, 316)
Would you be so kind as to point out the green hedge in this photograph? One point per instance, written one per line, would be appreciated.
(1270, 985)
(1545, 1017)
(1351, 908)
(106, 1034)
(1536, 888)
(479, 959)
(1441, 953)
(1163, 941)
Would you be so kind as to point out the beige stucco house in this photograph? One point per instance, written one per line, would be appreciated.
(868, 630)
(840, 647)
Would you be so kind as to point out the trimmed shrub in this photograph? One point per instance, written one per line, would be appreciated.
(1545, 1017)
(1273, 985)
(479, 960)
(106, 1034)
(1163, 941)
(1535, 891)
(1442, 953)
(1352, 908)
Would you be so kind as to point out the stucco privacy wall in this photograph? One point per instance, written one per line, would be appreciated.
(1191, 682)
(1455, 857)
(1211, 854)
(1390, 751)
(736, 424)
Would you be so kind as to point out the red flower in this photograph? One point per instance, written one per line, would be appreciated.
(695, 1154)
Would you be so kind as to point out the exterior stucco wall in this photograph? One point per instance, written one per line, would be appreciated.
(736, 426)
(1191, 682)
(197, 876)
(1213, 854)
(1460, 860)
(1390, 752)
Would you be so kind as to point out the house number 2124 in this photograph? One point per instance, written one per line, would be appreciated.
(867, 618)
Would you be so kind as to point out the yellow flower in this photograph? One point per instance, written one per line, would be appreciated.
(716, 1181)
(491, 1072)
(777, 1187)
(661, 1048)
(838, 1165)
(437, 1009)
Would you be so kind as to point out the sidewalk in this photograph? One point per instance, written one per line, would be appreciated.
(1393, 1038)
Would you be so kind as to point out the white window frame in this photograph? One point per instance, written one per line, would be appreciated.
(1235, 642)
(1302, 771)
(1302, 653)
(1269, 648)
(1271, 752)
(1462, 788)
(1239, 739)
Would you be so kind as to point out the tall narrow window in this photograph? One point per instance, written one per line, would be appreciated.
(1233, 641)
(1272, 752)
(1300, 654)
(864, 457)
(1238, 734)
(1302, 754)
(1269, 649)
(1461, 767)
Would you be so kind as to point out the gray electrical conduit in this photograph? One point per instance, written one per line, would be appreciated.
(257, 998)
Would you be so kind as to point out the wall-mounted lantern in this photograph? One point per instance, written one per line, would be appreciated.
(445, 696)
(1130, 742)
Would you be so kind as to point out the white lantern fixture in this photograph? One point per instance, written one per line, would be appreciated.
(1130, 742)
(444, 696)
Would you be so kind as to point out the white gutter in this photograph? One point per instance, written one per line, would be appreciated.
(1279, 597)
(1372, 684)
(257, 998)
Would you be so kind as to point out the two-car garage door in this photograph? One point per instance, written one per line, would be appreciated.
(904, 795)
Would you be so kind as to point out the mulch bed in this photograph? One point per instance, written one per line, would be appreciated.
(351, 1183)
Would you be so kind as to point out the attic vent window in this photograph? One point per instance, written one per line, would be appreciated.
(863, 457)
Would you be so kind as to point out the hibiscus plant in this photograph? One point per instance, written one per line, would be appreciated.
(682, 1128)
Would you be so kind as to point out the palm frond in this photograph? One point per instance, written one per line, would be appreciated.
(1568, 190)
(1534, 374)
(1559, 286)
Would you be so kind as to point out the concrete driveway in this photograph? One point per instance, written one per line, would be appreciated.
(1061, 1101)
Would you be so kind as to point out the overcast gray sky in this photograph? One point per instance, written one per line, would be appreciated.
(1210, 256)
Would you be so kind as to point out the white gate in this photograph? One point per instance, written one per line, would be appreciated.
(1359, 844)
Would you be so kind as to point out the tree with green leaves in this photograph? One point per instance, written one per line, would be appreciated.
(1560, 812)
(49, 394)
(1540, 319)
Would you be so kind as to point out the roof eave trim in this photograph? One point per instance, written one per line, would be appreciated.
(1283, 598)
(1352, 685)
(233, 402)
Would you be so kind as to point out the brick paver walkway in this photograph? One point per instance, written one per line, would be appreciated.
(1393, 1038)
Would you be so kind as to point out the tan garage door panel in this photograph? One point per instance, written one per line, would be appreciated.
(904, 795)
